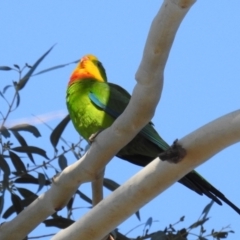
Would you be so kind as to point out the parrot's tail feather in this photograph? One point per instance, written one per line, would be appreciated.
(198, 184)
(192, 180)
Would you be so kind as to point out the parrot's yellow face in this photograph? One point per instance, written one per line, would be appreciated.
(88, 67)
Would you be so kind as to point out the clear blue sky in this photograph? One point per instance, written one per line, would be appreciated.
(201, 82)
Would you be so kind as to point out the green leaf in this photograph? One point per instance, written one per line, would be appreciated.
(16, 66)
(5, 132)
(1, 203)
(17, 162)
(138, 215)
(21, 84)
(23, 143)
(29, 179)
(5, 68)
(57, 132)
(24, 203)
(18, 100)
(1, 94)
(110, 184)
(58, 222)
(198, 223)
(84, 197)
(220, 235)
(183, 233)
(207, 209)
(62, 161)
(55, 67)
(26, 193)
(6, 88)
(31, 149)
(26, 127)
(148, 223)
(70, 203)
(4, 166)
(41, 181)
(16, 201)
(8, 212)
(182, 218)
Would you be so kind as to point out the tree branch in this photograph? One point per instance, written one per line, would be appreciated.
(138, 113)
(201, 145)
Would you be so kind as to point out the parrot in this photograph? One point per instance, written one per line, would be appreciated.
(94, 104)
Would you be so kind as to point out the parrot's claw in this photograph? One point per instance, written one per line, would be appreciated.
(109, 237)
(93, 136)
(174, 154)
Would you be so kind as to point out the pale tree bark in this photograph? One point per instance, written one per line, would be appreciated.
(110, 212)
(154, 179)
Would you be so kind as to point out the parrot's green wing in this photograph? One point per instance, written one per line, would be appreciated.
(115, 104)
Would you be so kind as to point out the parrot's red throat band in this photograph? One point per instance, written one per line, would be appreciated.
(78, 76)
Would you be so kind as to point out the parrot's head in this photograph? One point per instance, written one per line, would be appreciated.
(88, 67)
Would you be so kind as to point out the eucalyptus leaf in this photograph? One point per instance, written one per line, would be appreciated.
(22, 82)
(57, 132)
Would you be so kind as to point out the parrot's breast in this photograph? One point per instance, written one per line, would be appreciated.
(87, 118)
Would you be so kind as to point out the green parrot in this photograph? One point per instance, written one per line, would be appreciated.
(94, 104)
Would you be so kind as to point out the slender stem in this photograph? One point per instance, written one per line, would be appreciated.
(10, 107)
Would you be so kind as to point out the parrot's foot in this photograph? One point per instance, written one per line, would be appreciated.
(174, 154)
(94, 135)
(109, 237)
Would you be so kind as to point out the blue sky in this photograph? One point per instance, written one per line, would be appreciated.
(201, 82)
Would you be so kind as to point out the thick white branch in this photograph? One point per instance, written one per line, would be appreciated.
(139, 112)
(154, 179)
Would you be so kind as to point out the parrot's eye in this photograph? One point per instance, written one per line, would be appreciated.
(99, 64)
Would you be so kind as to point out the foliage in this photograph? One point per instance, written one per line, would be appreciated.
(31, 165)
